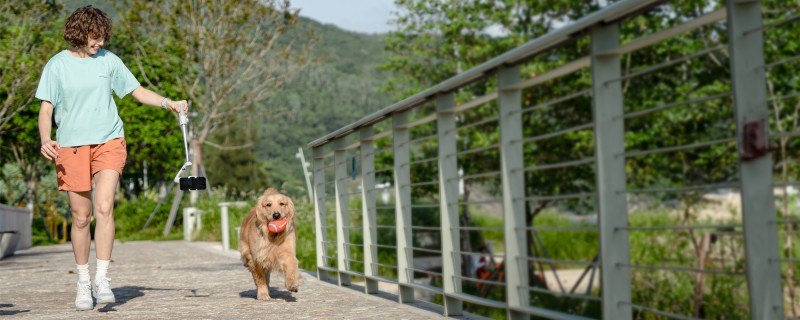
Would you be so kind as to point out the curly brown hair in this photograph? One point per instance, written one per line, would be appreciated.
(84, 22)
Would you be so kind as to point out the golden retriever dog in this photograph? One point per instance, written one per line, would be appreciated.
(264, 251)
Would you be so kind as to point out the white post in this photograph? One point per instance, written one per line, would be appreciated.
(513, 182)
(307, 174)
(369, 214)
(223, 215)
(189, 223)
(402, 187)
(342, 211)
(749, 83)
(448, 203)
(615, 276)
(321, 234)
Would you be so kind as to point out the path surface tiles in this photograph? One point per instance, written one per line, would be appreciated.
(182, 280)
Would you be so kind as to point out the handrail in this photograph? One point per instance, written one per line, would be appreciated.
(516, 114)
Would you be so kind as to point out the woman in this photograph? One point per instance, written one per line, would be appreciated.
(89, 149)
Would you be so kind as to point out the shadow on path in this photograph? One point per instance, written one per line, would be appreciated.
(273, 293)
(128, 293)
(10, 312)
(36, 254)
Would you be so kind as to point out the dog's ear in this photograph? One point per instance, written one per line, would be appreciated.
(290, 205)
(261, 206)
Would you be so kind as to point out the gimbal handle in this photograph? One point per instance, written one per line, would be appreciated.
(183, 119)
(185, 166)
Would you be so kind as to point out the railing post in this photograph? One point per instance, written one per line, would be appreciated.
(513, 180)
(749, 84)
(448, 203)
(368, 209)
(607, 105)
(307, 175)
(321, 234)
(224, 226)
(402, 187)
(190, 222)
(342, 213)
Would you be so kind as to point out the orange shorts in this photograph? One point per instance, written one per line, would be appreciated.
(75, 166)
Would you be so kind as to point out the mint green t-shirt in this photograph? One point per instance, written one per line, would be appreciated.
(80, 90)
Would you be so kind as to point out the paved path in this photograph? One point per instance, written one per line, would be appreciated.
(176, 279)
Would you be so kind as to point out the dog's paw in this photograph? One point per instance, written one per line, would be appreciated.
(264, 297)
(293, 285)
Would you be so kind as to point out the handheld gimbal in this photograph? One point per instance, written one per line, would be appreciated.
(187, 183)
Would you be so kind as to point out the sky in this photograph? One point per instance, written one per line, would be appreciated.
(365, 16)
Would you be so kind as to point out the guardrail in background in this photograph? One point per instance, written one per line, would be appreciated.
(225, 226)
(433, 119)
(193, 223)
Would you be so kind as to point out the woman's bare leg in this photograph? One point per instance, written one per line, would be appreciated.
(105, 187)
(80, 205)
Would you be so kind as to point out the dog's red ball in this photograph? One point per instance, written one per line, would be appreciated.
(277, 226)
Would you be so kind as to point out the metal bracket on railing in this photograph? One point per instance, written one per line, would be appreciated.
(755, 141)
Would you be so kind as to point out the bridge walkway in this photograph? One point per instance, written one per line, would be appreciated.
(177, 279)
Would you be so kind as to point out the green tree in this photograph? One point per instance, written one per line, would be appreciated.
(22, 49)
(28, 33)
(233, 56)
(436, 40)
(152, 135)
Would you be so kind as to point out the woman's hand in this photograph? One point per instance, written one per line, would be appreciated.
(49, 149)
(175, 106)
(151, 98)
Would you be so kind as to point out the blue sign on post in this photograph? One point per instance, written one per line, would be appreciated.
(355, 171)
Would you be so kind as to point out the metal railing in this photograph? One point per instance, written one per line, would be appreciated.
(422, 133)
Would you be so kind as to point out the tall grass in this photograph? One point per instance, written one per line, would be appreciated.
(130, 217)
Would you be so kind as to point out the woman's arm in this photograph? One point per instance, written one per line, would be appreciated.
(151, 98)
(48, 147)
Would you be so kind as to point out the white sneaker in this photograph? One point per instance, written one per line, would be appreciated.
(83, 301)
(102, 291)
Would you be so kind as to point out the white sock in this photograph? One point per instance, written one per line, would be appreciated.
(102, 269)
(83, 272)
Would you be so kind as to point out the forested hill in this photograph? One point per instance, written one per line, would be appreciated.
(341, 88)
